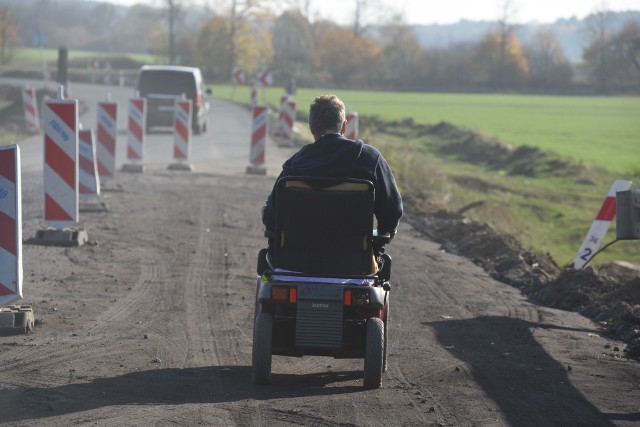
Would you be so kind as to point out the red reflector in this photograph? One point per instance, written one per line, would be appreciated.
(347, 297)
(293, 295)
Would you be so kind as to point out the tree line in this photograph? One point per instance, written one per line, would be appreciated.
(283, 37)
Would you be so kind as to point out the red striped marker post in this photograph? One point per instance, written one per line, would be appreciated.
(30, 106)
(10, 225)
(136, 135)
(60, 119)
(352, 125)
(181, 134)
(89, 182)
(600, 225)
(106, 139)
(258, 140)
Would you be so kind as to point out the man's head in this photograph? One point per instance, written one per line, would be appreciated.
(326, 115)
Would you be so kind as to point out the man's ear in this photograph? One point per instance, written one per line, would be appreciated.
(344, 128)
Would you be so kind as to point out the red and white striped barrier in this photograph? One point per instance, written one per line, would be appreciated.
(283, 99)
(182, 130)
(106, 139)
(287, 120)
(60, 120)
(89, 182)
(10, 225)
(136, 129)
(258, 139)
(30, 106)
(352, 125)
(600, 225)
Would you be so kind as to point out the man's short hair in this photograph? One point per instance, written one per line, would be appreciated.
(326, 114)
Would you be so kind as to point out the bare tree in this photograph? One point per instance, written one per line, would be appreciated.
(7, 33)
(597, 55)
(506, 32)
(174, 7)
(362, 12)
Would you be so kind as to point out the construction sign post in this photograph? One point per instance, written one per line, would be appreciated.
(61, 180)
(60, 120)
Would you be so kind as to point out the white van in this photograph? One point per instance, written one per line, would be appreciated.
(161, 85)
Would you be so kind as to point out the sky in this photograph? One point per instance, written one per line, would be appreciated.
(451, 11)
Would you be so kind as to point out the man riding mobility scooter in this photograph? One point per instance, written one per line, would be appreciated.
(324, 288)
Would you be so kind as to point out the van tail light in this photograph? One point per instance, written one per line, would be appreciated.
(198, 100)
(293, 295)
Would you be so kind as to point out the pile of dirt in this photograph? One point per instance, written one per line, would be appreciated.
(609, 296)
(473, 147)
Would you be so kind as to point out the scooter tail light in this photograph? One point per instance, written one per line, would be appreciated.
(347, 297)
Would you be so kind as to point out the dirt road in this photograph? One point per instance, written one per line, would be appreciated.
(151, 323)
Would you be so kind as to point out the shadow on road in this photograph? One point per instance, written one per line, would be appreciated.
(172, 386)
(514, 370)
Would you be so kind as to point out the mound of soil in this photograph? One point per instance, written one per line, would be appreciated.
(471, 146)
(610, 296)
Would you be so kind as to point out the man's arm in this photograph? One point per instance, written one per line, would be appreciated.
(388, 203)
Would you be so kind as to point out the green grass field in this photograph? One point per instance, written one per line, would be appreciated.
(546, 213)
(602, 131)
(34, 56)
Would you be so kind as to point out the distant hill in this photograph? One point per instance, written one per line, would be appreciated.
(570, 33)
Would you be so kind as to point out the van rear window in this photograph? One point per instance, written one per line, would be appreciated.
(169, 82)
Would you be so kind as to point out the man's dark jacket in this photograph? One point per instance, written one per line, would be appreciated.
(333, 155)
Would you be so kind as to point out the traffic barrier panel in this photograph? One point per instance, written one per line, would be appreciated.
(600, 225)
(30, 106)
(258, 140)
(182, 134)
(60, 119)
(352, 125)
(136, 130)
(10, 225)
(106, 139)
